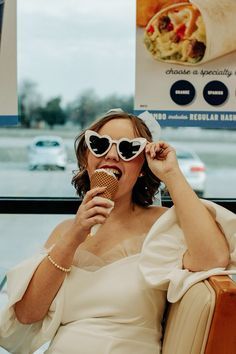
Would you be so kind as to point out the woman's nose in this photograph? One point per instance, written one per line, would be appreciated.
(112, 154)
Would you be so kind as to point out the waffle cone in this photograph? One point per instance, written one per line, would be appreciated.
(102, 178)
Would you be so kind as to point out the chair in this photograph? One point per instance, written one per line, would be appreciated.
(204, 320)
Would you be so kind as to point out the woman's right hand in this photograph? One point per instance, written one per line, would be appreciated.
(62, 244)
(93, 210)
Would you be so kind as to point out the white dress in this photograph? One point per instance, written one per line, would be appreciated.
(113, 304)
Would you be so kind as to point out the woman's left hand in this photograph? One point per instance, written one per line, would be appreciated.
(161, 159)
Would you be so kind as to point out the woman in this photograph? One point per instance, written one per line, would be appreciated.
(107, 292)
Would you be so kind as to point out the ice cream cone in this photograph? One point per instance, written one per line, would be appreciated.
(104, 178)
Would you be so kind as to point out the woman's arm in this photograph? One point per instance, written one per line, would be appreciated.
(47, 279)
(207, 246)
(65, 240)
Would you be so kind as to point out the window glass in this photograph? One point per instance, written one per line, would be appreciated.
(75, 61)
(86, 67)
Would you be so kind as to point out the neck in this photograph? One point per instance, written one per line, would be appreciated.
(123, 208)
(122, 216)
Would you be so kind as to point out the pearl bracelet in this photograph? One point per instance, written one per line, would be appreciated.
(66, 270)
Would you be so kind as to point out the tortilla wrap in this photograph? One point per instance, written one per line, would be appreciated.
(192, 33)
(146, 9)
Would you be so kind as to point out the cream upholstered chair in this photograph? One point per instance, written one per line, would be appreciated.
(204, 320)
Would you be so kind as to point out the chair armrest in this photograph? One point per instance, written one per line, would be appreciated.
(187, 322)
(222, 338)
(203, 321)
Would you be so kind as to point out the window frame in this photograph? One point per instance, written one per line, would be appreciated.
(52, 205)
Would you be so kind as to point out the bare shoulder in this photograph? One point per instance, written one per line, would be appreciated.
(58, 231)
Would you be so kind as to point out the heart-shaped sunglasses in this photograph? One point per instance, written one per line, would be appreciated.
(127, 149)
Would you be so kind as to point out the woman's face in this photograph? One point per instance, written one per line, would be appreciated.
(128, 171)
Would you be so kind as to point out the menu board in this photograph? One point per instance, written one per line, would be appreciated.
(8, 72)
(186, 62)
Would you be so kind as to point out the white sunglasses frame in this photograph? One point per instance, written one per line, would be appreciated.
(89, 133)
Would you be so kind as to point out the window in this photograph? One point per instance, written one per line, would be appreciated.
(86, 68)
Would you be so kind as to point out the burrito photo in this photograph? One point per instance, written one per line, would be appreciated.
(192, 33)
(146, 9)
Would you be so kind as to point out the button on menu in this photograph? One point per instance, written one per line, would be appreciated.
(182, 92)
(215, 93)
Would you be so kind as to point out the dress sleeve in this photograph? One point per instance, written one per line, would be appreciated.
(23, 338)
(163, 249)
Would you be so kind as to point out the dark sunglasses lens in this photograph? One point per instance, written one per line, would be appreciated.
(129, 149)
(98, 145)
